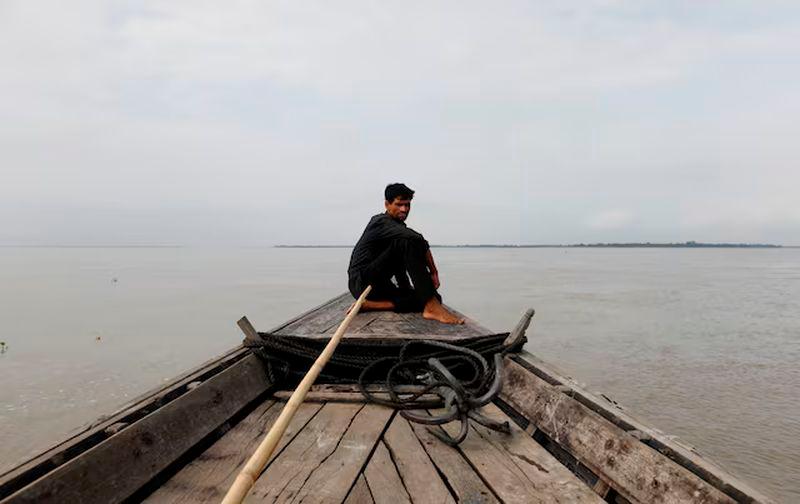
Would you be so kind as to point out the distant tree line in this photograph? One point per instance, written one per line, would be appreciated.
(688, 244)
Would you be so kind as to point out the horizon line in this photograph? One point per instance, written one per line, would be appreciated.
(687, 244)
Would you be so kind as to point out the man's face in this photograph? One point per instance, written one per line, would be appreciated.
(398, 209)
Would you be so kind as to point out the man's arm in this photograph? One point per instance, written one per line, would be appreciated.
(386, 228)
(432, 269)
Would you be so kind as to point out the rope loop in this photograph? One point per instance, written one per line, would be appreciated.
(461, 377)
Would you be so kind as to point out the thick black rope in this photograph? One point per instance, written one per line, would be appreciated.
(464, 377)
(433, 367)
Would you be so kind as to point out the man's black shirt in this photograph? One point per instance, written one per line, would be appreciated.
(389, 250)
(377, 236)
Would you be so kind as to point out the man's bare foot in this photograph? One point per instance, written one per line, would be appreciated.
(435, 311)
(370, 305)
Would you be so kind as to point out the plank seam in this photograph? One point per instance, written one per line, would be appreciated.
(235, 469)
(309, 312)
(442, 475)
(329, 455)
(371, 453)
(396, 467)
(474, 469)
(276, 455)
(366, 482)
(512, 456)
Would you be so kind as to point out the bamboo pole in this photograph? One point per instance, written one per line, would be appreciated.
(249, 474)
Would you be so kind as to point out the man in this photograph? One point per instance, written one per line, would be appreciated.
(389, 250)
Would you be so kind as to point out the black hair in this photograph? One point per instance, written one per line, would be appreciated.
(398, 190)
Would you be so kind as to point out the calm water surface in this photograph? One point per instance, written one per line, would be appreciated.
(702, 343)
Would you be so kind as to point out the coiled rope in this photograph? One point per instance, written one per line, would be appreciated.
(464, 377)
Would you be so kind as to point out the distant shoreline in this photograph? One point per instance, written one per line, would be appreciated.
(465, 246)
(689, 244)
(95, 246)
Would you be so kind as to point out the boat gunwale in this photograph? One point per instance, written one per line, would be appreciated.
(101, 429)
(708, 470)
(85, 437)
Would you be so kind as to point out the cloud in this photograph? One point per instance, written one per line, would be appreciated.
(453, 51)
(610, 220)
(515, 119)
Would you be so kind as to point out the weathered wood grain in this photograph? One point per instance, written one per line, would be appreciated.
(388, 325)
(469, 328)
(517, 468)
(320, 323)
(348, 397)
(418, 473)
(360, 493)
(383, 479)
(350, 337)
(634, 470)
(115, 469)
(338, 299)
(359, 323)
(460, 477)
(315, 443)
(333, 478)
(209, 476)
(352, 387)
(324, 459)
(322, 318)
(684, 455)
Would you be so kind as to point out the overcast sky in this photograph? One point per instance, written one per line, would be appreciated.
(260, 122)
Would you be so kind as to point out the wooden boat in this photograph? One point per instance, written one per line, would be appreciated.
(186, 441)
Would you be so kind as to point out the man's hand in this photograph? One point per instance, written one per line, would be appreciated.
(435, 278)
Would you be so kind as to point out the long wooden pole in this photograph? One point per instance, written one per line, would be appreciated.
(247, 477)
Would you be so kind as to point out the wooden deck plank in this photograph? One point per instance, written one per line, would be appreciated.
(518, 462)
(316, 442)
(321, 322)
(371, 337)
(209, 476)
(115, 469)
(332, 479)
(469, 328)
(383, 479)
(418, 473)
(351, 397)
(360, 493)
(634, 470)
(359, 324)
(325, 458)
(307, 313)
(387, 325)
(464, 482)
(551, 481)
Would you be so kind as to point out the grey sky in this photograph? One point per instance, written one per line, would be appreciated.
(257, 123)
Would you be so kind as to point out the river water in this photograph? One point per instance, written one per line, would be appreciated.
(703, 344)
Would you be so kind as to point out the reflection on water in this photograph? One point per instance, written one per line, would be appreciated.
(701, 343)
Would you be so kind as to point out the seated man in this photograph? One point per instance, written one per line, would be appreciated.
(388, 249)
